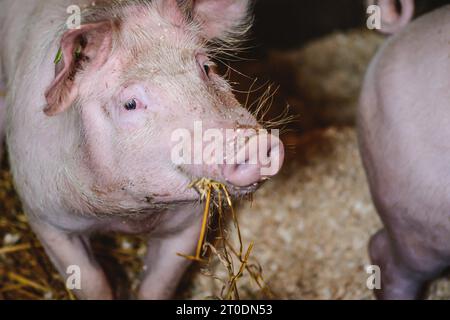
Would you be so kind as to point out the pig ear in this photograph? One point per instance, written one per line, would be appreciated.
(81, 48)
(218, 18)
(395, 14)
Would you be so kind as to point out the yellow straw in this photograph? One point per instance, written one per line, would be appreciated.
(11, 249)
(26, 282)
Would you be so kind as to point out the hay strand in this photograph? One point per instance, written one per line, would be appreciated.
(217, 198)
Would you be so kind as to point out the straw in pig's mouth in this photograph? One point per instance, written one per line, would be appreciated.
(233, 256)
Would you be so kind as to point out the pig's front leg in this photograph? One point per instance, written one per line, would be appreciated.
(74, 250)
(163, 267)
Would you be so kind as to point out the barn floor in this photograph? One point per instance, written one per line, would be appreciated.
(310, 224)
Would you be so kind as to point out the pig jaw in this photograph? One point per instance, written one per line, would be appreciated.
(113, 192)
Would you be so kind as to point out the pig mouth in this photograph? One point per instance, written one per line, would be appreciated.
(234, 191)
(241, 192)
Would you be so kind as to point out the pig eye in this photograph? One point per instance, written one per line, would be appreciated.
(130, 105)
(205, 65)
(207, 69)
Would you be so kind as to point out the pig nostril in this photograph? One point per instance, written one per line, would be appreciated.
(248, 172)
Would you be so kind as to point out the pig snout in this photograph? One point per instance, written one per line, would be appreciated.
(241, 158)
(259, 159)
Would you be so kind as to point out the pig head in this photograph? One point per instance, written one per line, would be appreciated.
(134, 80)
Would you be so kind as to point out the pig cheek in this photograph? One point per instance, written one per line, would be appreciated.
(144, 153)
(146, 174)
(139, 151)
(129, 122)
(101, 146)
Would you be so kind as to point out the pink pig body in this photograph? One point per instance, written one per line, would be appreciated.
(404, 136)
(89, 139)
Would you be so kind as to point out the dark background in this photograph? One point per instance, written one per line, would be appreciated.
(290, 23)
(284, 24)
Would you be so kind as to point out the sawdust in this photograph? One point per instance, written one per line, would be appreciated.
(311, 224)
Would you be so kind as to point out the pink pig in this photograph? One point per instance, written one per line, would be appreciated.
(89, 138)
(403, 119)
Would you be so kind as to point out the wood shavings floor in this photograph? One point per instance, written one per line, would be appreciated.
(311, 224)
